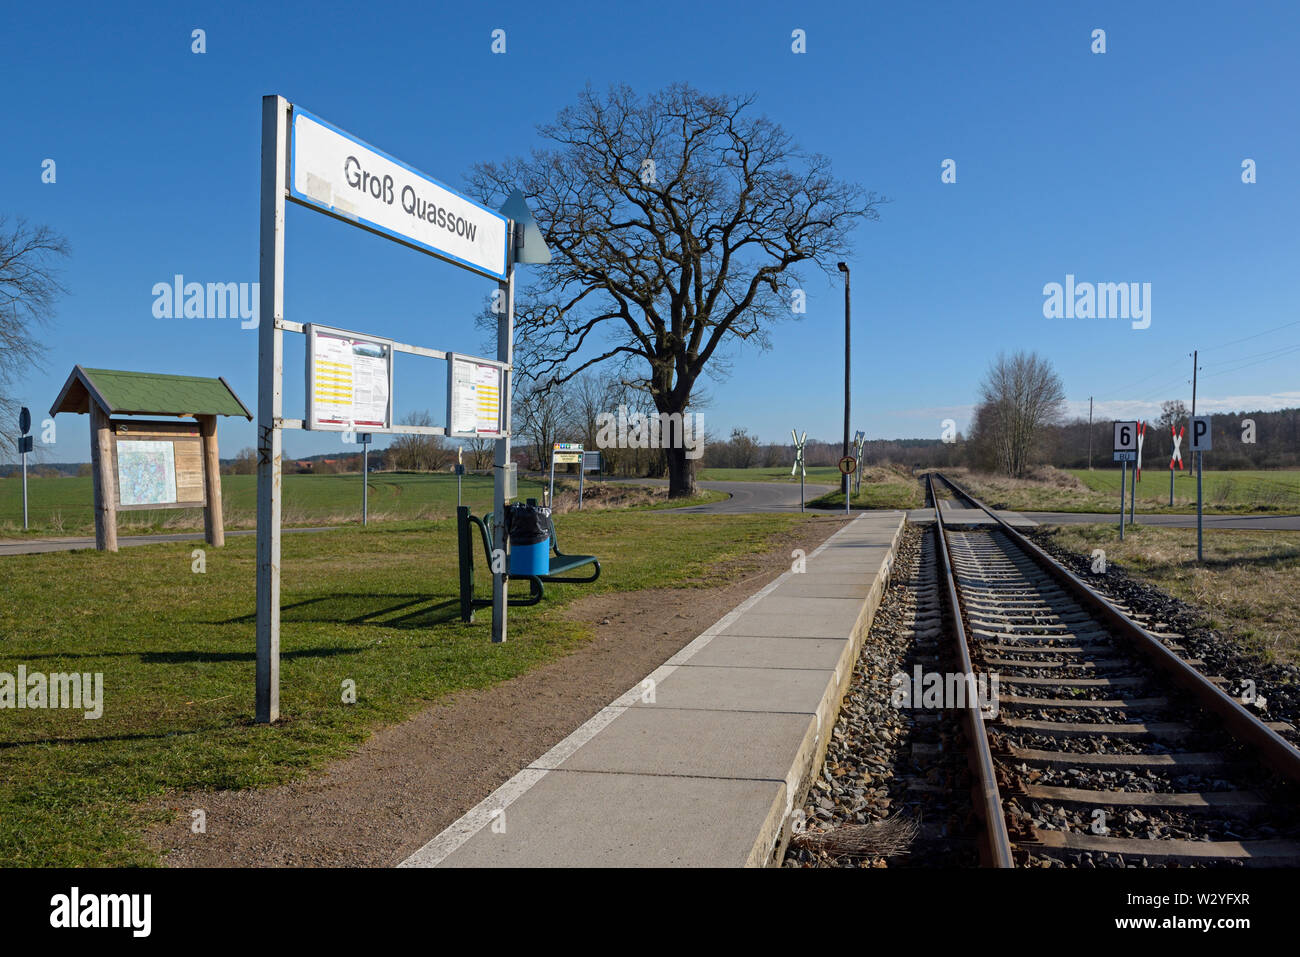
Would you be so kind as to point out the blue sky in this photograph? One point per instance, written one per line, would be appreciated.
(1115, 167)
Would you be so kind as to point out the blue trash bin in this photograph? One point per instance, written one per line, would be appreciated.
(530, 539)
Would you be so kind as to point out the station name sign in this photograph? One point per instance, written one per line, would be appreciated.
(339, 174)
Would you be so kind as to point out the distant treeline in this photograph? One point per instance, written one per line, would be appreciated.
(1276, 442)
(1276, 445)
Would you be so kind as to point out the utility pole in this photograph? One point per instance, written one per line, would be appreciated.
(844, 479)
(1200, 554)
(1089, 433)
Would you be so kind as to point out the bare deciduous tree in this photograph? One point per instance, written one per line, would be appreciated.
(1019, 397)
(676, 222)
(28, 288)
(419, 453)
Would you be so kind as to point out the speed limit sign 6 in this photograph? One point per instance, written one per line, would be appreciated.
(1126, 436)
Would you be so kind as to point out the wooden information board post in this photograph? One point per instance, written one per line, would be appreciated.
(139, 464)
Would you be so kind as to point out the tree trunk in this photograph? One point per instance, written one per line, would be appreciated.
(681, 473)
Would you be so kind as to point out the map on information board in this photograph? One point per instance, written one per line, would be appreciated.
(474, 402)
(146, 473)
(349, 381)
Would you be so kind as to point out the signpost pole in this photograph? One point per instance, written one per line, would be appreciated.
(1171, 483)
(1200, 527)
(1123, 477)
(365, 480)
(1202, 440)
(581, 474)
(270, 368)
(505, 353)
(550, 495)
(1132, 497)
(798, 463)
(24, 443)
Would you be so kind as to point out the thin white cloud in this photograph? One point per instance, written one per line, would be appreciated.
(1209, 405)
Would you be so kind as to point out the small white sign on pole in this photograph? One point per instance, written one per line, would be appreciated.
(1201, 439)
(1126, 437)
(341, 175)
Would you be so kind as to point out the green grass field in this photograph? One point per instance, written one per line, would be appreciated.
(62, 506)
(1078, 490)
(1247, 582)
(377, 606)
(1254, 491)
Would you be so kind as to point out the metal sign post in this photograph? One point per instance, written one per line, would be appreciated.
(859, 440)
(1126, 445)
(24, 446)
(1202, 441)
(1176, 434)
(591, 462)
(1123, 477)
(502, 463)
(1137, 474)
(460, 471)
(317, 165)
(798, 463)
(566, 453)
(364, 439)
(848, 465)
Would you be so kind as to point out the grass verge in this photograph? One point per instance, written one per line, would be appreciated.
(1247, 583)
(176, 651)
(1078, 490)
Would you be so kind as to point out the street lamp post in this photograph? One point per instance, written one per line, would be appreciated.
(844, 480)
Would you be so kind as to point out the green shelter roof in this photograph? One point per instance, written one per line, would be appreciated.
(147, 393)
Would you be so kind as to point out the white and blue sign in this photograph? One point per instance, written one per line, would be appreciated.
(337, 173)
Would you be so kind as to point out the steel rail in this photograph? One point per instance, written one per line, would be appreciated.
(995, 847)
(1272, 748)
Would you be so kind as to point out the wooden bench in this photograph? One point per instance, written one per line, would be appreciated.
(560, 564)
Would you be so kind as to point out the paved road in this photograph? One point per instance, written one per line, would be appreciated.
(1264, 522)
(1259, 522)
(14, 546)
(746, 497)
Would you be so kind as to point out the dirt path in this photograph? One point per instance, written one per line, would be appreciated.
(409, 781)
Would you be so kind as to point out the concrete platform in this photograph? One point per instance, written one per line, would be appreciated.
(702, 763)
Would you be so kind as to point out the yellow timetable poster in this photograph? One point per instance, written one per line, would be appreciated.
(475, 398)
(349, 381)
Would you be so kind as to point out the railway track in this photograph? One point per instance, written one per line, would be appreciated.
(1092, 741)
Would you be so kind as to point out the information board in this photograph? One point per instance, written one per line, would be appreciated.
(566, 453)
(349, 380)
(157, 464)
(473, 397)
(146, 473)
